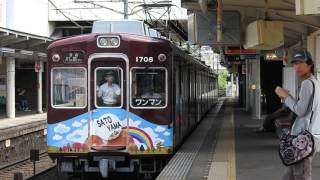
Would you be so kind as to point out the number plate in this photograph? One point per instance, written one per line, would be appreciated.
(144, 59)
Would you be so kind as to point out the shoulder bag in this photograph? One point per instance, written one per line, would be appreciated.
(295, 148)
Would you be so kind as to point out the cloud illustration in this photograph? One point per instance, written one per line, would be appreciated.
(61, 129)
(166, 133)
(76, 124)
(79, 135)
(57, 137)
(83, 121)
(160, 129)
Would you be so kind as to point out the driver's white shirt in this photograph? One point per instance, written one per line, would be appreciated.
(109, 93)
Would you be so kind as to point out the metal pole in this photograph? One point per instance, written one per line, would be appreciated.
(219, 22)
(34, 168)
(232, 95)
(39, 88)
(219, 29)
(11, 87)
(125, 9)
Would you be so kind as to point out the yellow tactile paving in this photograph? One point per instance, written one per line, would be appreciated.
(223, 166)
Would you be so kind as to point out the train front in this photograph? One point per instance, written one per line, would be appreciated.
(108, 103)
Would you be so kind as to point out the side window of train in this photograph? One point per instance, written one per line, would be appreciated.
(108, 87)
(68, 88)
(148, 87)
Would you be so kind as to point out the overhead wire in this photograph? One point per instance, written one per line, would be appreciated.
(77, 24)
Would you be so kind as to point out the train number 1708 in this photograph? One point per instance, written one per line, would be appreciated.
(142, 59)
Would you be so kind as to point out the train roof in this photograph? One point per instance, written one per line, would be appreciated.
(92, 37)
(86, 38)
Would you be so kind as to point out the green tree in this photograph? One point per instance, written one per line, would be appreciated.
(222, 79)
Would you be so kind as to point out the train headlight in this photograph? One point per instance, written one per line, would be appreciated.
(162, 57)
(108, 41)
(55, 58)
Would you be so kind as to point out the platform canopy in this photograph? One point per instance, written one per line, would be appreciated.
(23, 45)
(296, 27)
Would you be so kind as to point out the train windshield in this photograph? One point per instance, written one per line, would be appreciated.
(148, 87)
(108, 87)
(69, 87)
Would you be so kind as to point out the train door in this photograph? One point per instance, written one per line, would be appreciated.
(108, 106)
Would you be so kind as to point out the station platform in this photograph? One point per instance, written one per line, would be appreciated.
(21, 125)
(225, 146)
(21, 134)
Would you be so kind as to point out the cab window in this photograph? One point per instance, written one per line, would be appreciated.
(148, 87)
(69, 87)
(108, 89)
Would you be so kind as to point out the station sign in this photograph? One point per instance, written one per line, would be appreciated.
(38, 66)
(241, 57)
(202, 28)
(74, 57)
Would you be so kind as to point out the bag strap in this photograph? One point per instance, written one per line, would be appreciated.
(313, 90)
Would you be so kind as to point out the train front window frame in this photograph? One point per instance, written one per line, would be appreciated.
(56, 106)
(165, 84)
(120, 84)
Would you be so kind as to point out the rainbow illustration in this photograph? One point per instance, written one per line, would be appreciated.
(140, 136)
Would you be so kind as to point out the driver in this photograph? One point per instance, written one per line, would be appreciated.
(109, 91)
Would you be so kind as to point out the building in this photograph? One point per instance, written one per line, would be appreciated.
(24, 36)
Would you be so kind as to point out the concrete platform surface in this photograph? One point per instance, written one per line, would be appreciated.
(27, 119)
(228, 148)
(257, 153)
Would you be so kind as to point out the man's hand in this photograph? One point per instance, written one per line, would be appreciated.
(281, 92)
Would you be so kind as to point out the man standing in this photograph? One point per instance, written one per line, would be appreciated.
(307, 109)
(109, 91)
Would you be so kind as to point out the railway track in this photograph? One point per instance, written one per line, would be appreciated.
(43, 166)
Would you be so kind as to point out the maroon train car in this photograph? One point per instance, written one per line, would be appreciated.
(121, 102)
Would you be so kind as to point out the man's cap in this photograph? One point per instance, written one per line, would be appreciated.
(109, 73)
(301, 55)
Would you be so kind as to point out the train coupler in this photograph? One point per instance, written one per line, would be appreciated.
(105, 165)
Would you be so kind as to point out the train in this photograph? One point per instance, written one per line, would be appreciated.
(122, 100)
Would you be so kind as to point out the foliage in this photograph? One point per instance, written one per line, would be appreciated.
(222, 79)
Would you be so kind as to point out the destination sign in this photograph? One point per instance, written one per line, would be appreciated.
(239, 58)
(74, 57)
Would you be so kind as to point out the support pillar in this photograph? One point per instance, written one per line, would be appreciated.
(39, 88)
(232, 89)
(219, 22)
(11, 110)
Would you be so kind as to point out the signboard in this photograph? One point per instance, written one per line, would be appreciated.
(74, 57)
(38, 66)
(241, 57)
(202, 28)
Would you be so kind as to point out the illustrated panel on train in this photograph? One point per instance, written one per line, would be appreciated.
(109, 125)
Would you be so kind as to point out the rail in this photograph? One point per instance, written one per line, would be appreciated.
(24, 168)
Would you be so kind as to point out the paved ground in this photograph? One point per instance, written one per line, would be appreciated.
(256, 153)
(231, 150)
(30, 118)
(193, 159)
